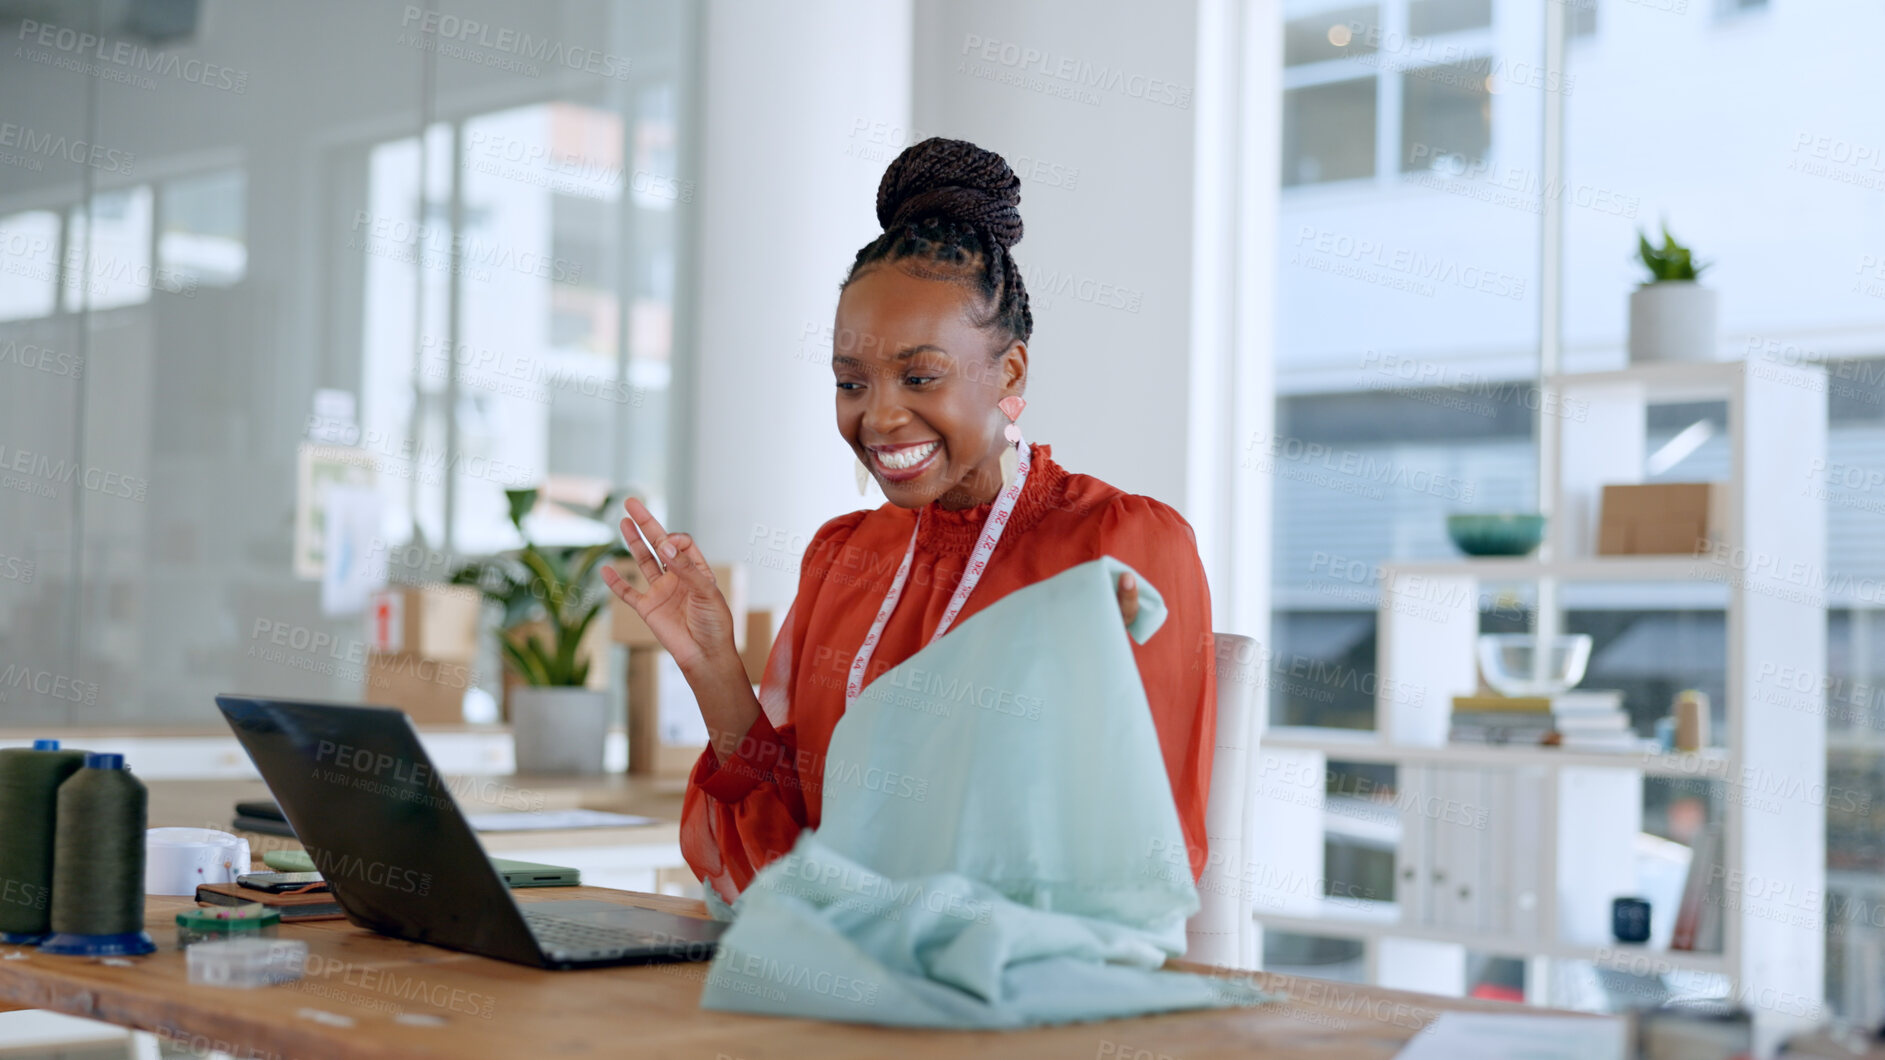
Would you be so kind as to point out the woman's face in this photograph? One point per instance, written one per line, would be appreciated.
(918, 387)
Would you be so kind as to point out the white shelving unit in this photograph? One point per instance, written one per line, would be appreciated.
(1519, 851)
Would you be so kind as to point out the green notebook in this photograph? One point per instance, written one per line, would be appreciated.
(515, 873)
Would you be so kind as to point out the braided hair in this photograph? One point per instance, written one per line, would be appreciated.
(950, 212)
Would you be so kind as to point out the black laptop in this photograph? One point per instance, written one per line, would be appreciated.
(385, 832)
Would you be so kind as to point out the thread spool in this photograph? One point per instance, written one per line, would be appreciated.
(98, 863)
(1691, 720)
(29, 794)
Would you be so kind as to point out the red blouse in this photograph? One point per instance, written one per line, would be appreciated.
(742, 813)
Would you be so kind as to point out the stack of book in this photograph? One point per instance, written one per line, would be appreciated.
(1582, 721)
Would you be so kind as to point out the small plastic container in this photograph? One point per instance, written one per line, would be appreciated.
(246, 963)
(249, 920)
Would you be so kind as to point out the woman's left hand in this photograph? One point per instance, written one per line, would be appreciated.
(1128, 591)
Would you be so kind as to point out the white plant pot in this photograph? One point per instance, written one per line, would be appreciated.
(1672, 321)
(559, 730)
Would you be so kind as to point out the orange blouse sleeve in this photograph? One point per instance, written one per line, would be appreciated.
(1176, 663)
(740, 814)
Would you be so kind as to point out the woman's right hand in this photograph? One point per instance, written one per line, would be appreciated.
(682, 605)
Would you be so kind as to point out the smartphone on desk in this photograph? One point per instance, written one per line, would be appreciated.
(281, 882)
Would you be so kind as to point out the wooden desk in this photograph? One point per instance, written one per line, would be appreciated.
(368, 996)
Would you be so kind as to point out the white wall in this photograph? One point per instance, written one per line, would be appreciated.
(784, 208)
(1107, 199)
(1139, 135)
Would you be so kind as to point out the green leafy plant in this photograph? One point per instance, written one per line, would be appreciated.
(1668, 263)
(555, 585)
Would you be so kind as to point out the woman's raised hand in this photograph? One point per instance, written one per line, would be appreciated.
(681, 604)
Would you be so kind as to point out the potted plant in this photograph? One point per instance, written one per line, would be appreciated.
(1672, 318)
(550, 598)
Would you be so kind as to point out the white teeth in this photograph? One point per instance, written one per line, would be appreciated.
(900, 459)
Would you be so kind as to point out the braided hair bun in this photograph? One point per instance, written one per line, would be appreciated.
(950, 211)
(952, 180)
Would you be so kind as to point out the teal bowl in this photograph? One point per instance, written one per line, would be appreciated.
(1497, 534)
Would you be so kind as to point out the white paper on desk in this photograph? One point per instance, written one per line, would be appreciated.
(1498, 1036)
(554, 820)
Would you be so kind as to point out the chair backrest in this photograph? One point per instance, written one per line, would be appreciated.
(1223, 932)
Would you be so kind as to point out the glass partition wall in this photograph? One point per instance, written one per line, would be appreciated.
(429, 250)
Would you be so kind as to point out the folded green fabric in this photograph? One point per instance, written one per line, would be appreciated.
(993, 850)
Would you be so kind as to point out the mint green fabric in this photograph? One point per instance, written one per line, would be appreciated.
(995, 837)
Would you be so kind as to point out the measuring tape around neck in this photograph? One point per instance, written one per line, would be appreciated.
(992, 527)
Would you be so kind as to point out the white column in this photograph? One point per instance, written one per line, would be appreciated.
(1094, 104)
(785, 203)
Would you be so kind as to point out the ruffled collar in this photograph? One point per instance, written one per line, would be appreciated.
(956, 532)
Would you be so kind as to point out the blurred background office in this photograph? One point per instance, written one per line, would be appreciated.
(1295, 269)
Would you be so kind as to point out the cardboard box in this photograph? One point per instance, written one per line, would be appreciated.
(431, 690)
(652, 675)
(1661, 519)
(626, 627)
(430, 621)
(758, 643)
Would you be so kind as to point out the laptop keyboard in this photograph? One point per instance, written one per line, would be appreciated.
(563, 935)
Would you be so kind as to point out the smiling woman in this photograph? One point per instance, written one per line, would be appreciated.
(930, 360)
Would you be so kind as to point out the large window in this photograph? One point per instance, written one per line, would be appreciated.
(1412, 158)
(341, 226)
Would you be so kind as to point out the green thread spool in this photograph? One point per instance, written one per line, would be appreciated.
(98, 863)
(29, 793)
